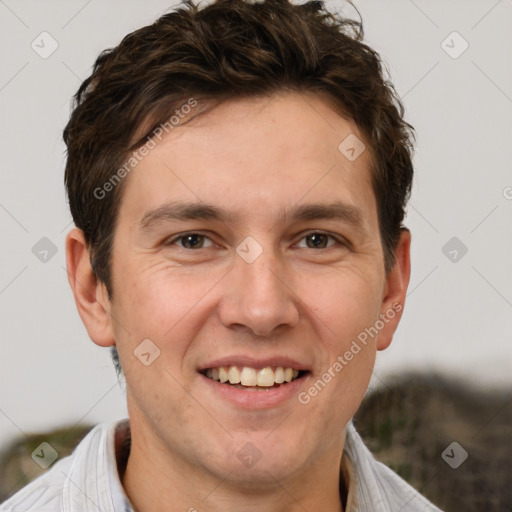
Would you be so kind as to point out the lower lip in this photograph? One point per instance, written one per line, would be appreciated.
(253, 399)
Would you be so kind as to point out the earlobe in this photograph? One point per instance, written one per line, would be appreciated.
(397, 282)
(90, 294)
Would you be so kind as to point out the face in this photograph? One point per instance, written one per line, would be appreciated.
(247, 239)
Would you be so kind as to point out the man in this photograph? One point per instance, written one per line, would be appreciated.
(237, 175)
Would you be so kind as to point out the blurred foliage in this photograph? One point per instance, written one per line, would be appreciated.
(407, 423)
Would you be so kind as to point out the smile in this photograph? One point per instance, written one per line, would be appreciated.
(248, 377)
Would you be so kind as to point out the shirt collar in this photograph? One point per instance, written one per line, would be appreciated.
(349, 479)
(119, 440)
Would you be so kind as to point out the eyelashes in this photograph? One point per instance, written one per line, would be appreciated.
(194, 241)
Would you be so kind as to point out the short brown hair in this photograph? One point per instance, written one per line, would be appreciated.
(229, 49)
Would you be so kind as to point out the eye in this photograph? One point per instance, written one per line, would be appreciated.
(313, 240)
(191, 241)
(319, 241)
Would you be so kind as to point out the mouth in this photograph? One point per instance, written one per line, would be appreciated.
(254, 379)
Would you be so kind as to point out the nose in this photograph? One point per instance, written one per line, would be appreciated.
(258, 297)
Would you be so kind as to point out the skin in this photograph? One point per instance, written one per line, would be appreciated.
(256, 158)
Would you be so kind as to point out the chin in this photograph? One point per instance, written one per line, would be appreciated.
(258, 458)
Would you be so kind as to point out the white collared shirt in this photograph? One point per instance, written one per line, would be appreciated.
(88, 480)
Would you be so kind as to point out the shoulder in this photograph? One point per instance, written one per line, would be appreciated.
(378, 488)
(44, 493)
(59, 488)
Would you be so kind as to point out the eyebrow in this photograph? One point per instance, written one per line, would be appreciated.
(179, 211)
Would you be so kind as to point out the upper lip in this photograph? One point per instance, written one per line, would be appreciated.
(253, 362)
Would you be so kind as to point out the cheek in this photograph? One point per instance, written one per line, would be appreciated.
(344, 303)
(155, 299)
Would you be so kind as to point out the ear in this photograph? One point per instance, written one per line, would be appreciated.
(395, 290)
(91, 295)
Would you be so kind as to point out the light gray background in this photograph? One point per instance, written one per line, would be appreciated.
(457, 318)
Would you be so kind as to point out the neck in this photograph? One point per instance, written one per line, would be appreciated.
(156, 480)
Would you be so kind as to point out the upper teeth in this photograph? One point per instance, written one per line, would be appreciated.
(247, 376)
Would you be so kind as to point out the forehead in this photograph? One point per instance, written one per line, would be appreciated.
(267, 153)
